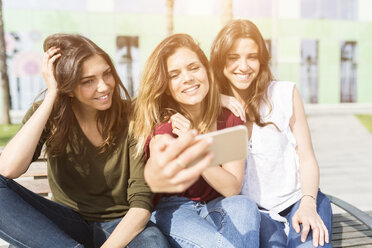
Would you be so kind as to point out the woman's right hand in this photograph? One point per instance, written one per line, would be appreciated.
(47, 68)
(234, 106)
(167, 171)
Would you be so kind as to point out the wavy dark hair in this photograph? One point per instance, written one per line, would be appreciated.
(75, 50)
(224, 41)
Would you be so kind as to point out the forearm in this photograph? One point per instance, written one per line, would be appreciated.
(128, 228)
(226, 182)
(18, 153)
(309, 177)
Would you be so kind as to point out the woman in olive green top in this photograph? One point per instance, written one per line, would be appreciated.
(99, 193)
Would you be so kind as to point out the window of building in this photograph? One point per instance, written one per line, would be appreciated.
(309, 71)
(348, 71)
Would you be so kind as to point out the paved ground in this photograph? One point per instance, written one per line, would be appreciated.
(343, 147)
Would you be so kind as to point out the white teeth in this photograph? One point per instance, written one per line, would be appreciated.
(242, 76)
(191, 89)
(102, 97)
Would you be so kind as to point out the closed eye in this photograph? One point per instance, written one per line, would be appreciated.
(173, 75)
(85, 82)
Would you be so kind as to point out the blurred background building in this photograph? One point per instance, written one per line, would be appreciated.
(325, 46)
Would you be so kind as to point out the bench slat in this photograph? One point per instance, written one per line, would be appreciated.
(39, 186)
(37, 169)
(352, 242)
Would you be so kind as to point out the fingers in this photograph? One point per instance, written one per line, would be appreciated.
(234, 106)
(320, 233)
(326, 234)
(296, 223)
(180, 124)
(316, 235)
(319, 230)
(49, 58)
(238, 108)
(305, 230)
(166, 170)
(180, 144)
(182, 150)
(185, 178)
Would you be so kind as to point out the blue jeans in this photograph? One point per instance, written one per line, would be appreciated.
(222, 222)
(29, 220)
(272, 232)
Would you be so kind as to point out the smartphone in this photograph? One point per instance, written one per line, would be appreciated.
(229, 144)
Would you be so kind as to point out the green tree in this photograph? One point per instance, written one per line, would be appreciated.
(5, 117)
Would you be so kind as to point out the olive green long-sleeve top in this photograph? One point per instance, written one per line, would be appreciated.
(100, 187)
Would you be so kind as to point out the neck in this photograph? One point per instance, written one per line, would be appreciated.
(86, 115)
(195, 113)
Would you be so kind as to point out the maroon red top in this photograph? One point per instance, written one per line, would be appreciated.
(200, 190)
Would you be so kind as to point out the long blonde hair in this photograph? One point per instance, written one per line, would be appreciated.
(75, 50)
(154, 106)
(257, 90)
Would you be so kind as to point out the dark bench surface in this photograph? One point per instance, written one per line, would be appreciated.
(350, 232)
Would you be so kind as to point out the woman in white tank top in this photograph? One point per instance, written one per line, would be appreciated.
(282, 174)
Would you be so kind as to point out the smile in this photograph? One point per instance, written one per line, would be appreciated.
(191, 89)
(102, 98)
(242, 76)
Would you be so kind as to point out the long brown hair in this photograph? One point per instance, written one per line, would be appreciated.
(257, 89)
(154, 106)
(75, 49)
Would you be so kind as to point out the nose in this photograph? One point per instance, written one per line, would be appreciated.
(102, 86)
(187, 77)
(243, 65)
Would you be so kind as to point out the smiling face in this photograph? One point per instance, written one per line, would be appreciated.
(188, 78)
(96, 86)
(242, 64)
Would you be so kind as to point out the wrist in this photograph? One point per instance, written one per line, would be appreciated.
(308, 196)
(51, 93)
(308, 200)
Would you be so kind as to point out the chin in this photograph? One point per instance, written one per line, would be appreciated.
(241, 86)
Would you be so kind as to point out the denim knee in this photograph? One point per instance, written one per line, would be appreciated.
(151, 236)
(242, 204)
(3, 181)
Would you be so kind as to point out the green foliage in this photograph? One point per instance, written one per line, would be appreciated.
(366, 120)
(7, 132)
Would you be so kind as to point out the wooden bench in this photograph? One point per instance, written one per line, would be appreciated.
(353, 228)
(36, 178)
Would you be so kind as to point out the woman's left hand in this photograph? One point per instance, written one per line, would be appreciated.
(309, 218)
(180, 124)
(234, 106)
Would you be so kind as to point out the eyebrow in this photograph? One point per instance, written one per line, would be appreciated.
(191, 64)
(90, 76)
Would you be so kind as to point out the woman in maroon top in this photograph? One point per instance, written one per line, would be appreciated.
(210, 213)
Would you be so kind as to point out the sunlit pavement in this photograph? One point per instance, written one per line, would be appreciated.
(343, 147)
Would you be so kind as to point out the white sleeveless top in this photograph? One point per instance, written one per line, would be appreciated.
(271, 175)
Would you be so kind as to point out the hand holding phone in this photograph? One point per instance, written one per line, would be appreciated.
(229, 144)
